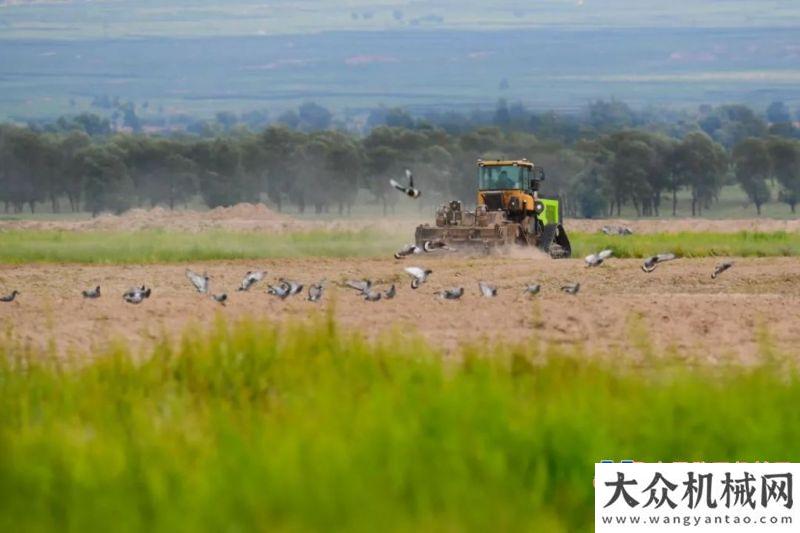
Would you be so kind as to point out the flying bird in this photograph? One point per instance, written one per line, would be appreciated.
(200, 282)
(571, 288)
(282, 291)
(722, 267)
(250, 279)
(92, 293)
(294, 287)
(418, 275)
(651, 263)
(315, 292)
(390, 292)
(451, 294)
(487, 290)
(220, 298)
(597, 259)
(406, 250)
(532, 289)
(10, 297)
(362, 286)
(409, 191)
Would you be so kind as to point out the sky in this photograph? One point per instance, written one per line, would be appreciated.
(127, 18)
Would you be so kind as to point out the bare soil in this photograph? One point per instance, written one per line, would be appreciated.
(678, 308)
(258, 217)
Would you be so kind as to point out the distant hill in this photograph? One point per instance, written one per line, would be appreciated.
(542, 67)
(195, 18)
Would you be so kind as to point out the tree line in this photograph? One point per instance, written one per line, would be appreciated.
(598, 166)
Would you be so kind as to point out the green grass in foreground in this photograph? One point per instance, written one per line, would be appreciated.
(156, 246)
(254, 428)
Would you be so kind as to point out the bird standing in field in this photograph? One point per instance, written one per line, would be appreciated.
(282, 291)
(487, 290)
(220, 298)
(451, 294)
(92, 293)
(390, 292)
(597, 259)
(9, 298)
(532, 289)
(430, 246)
(294, 287)
(200, 282)
(571, 288)
(315, 292)
(407, 250)
(136, 295)
(372, 296)
(651, 263)
(250, 279)
(418, 275)
(409, 191)
(722, 267)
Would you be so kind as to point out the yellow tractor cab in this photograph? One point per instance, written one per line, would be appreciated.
(513, 187)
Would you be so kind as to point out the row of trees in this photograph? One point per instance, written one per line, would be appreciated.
(327, 169)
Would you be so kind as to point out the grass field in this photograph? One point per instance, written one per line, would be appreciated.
(159, 246)
(254, 427)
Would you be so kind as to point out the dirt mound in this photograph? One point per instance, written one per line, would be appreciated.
(691, 225)
(246, 211)
(240, 217)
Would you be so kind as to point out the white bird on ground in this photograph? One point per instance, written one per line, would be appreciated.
(315, 292)
(220, 298)
(390, 292)
(418, 275)
(406, 250)
(430, 246)
(136, 295)
(200, 282)
(372, 296)
(294, 287)
(92, 293)
(616, 230)
(532, 289)
(651, 262)
(250, 279)
(487, 290)
(282, 291)
(597, 259)
(571, 288)
(409, 191)
(722, 267)
(451, 294)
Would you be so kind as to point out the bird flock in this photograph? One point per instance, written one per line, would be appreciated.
(367, 289)
(284, 288)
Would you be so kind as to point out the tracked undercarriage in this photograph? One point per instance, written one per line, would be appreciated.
(487, 230)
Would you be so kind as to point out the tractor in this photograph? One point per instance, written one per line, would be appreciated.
(509, 211)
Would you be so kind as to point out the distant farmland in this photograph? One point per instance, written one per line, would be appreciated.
(544, 68)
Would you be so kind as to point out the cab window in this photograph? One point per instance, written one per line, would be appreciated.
(503, 177)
